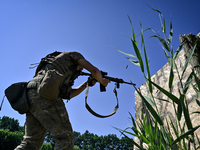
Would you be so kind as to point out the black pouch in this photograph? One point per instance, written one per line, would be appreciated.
(65, 92)
(17, 97)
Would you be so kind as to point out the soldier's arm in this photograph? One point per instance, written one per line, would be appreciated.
(94, 71)
(76, 91)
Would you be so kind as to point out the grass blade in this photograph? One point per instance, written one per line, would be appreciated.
(138, 55)
(173, 127)
(134, 124)
(134, 61)
(185, 112)
(146, 60)
(167, 56)
(153, 9)
(196, 80)
(198, 102)
(130, 55)
(134, 37)
(189, 57)
(163, 42)
(168, 94)
(179, 110)
(178, 49)
(171, 77)
(170, 34)
(191, 131)
(162, 99)
(150, 108)
(133, 142)
(150, 101)
(188, 82)
(164, 135)
(164, 26)
(196, 90)
(122, 132)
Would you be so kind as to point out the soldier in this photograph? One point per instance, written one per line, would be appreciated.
(48, 113)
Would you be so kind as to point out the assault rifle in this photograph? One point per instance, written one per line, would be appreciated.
(102, 89)
(104, 75)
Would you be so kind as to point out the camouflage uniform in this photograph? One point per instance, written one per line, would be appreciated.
(49, 115)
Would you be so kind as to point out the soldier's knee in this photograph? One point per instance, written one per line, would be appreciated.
(65, 135)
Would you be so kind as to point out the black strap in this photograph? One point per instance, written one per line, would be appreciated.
(96, 114)
(2, 102)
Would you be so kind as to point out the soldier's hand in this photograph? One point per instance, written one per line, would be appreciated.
(105, 82)
(91, 81)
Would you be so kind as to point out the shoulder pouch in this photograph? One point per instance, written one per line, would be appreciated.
(50, 86)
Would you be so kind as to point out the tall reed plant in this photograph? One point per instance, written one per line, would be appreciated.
(152, 131)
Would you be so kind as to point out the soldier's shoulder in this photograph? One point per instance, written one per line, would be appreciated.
(74, 54)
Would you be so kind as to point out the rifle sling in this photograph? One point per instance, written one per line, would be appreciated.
(96, 114)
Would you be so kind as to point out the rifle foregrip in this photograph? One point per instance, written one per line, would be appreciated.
(102, 88)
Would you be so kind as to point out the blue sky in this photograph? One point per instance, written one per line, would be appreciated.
(30, 29)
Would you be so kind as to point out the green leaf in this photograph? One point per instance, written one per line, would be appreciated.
(138, 55)
(191, 131)
(134, 43)
(134, 61)
(150, 108)
(198, 140)
(134, 124)
(164, 26)
(134, 129)
(164, 135)
(130, 55)
(170, 34)
(133, 142)
(185, 112)
(196, 112)
(167, 56)
(180, 108)
(153, 9)
(168, 94)
(134, 37)
(189, 57)
(196, 90)
(146, 60)
(198, 102)
(162, 99)
(155, 131)
(171, 77)
(196, 80)
(169, 133)
(178, 49)
(147, 30)
(141, 34)
(163, 42)
(150, 101)
(188, 82)
(174, 128)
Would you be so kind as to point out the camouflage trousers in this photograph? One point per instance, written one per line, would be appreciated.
(46, 115)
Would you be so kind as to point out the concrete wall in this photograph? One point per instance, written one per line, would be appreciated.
(162, 78)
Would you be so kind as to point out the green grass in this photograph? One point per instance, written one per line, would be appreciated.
(151, 129)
